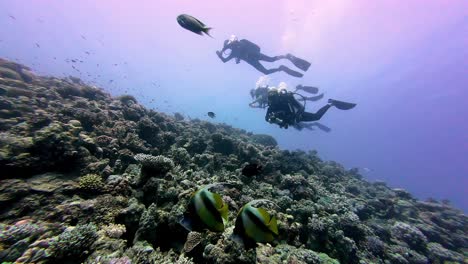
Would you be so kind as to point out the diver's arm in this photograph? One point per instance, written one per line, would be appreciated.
(228, 58)
(225, 46)
(252, 104)
(268, 115)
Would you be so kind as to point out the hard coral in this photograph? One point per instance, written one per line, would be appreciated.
(73, 242)
(91, 183)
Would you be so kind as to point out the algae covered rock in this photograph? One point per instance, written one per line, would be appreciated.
(10, 74)
(265, 140)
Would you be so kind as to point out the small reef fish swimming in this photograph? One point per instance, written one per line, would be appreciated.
(255, 225)
(192, 24)
(206, 210)
(211, 114)
(252, 169)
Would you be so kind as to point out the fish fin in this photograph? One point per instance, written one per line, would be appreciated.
(221, 206)
(265, 215)
(207, 31)
(186, 223)
(201, 23)
(273, 225)
(269, 221)
(237, 238)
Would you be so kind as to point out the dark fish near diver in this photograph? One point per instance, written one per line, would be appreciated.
(206, 210)
(211, 114)
(252, 169)
(255, 225)
(192, 24)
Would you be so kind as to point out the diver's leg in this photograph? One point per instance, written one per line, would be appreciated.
(257, 65)
(264, 57)
(321, 126)
(306, 116)
(290, 72)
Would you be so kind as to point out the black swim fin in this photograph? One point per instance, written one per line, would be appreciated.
(322, 127)
(299, 63)
(341, 105)
(307, 89)
(314, 98)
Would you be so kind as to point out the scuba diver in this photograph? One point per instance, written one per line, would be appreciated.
(260, 94)
(285, 110)
(250, 53)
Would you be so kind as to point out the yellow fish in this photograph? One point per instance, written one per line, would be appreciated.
(206, 210)
(255, 225)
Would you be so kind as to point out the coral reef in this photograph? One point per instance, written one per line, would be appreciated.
(88, 178)
(91, 182)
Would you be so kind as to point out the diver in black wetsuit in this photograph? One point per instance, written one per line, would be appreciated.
(260, 94)
(285, 110)
(250, 53)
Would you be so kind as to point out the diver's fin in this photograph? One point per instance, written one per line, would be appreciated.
(314, 98)
(308, 89)
(206, 30)
(322, 127)
(300, 63)
(341, 105)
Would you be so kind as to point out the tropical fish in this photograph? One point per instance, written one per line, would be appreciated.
(252, 169)
(206, 210)
(255, 225)
(192, 24)
(211, 114)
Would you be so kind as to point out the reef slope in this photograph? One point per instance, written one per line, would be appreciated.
(88, 178)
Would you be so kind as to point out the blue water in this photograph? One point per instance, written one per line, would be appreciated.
(404, 64)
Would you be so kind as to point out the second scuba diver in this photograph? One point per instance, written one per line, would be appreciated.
(285, 110)
(262, 90)
(250, 52)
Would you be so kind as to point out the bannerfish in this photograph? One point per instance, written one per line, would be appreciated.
(211, 114)
(255, 225)
(206, 210)
(252, 169)
(192, 24)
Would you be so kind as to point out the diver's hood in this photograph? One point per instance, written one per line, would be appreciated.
(232, 38)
